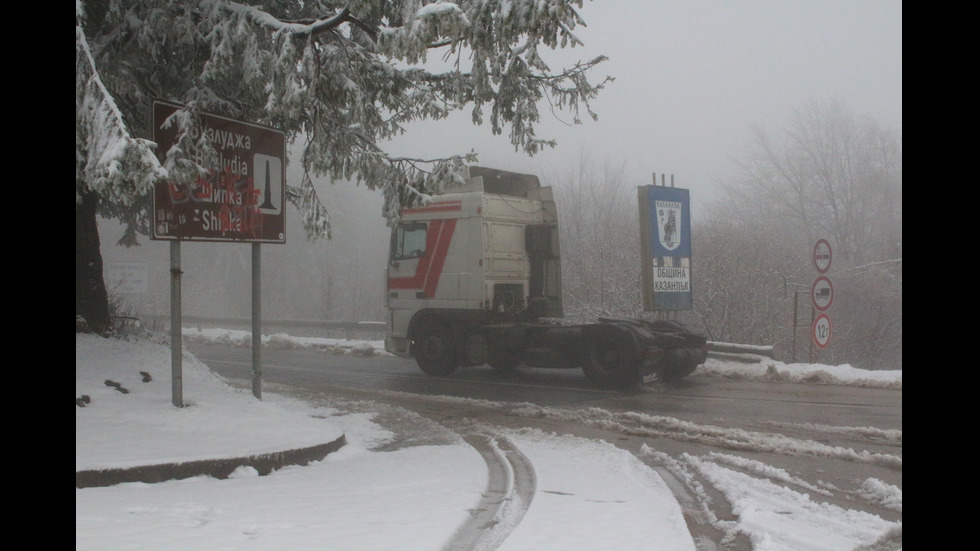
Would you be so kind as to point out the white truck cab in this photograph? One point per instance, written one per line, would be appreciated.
(474, 277)
(490, 247)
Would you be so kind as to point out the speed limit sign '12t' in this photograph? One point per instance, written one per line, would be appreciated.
(821, 331)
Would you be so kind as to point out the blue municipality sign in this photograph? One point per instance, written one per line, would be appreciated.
(665, 217)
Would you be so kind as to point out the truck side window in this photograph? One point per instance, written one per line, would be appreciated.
(408, 241)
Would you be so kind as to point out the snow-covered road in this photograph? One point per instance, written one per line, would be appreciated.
(412, 476)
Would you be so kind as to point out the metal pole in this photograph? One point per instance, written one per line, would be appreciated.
(257, 320)
(176, 367)
(810, 330)
(796, 302)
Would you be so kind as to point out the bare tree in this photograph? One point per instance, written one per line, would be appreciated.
(828, 175)
(831, 176)
(743, 282)
(599, 240)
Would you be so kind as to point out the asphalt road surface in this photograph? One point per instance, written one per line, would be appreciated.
(826, 434)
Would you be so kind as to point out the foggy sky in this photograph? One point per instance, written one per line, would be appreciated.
(693, 77)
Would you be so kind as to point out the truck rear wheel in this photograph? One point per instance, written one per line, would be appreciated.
(434, 348)
(611, 361)
(679, 363)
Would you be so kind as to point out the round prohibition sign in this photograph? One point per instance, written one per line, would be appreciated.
(822, 256)
(822, 293)
(821, 330)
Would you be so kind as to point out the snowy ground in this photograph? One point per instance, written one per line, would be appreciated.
(412, 497)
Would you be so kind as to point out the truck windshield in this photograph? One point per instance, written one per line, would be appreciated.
(408, 241)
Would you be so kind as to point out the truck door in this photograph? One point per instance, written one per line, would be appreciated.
(406, 251)
(418, 253)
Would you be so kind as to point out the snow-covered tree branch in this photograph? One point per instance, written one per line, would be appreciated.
(116, 166)
(344, 76)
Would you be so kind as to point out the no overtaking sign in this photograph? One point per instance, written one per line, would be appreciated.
(822, 256)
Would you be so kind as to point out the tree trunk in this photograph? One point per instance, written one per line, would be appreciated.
(91, 298)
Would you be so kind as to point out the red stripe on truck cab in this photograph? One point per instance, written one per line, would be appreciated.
(429, 269)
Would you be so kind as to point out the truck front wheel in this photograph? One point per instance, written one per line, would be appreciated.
(611, 361)
(434, 348)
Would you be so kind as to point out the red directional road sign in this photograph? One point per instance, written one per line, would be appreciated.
(241, 199)
(822, 293)
(820, 331)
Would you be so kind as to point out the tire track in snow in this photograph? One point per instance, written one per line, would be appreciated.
(511, 484)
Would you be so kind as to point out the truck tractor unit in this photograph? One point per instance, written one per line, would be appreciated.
(474, 277)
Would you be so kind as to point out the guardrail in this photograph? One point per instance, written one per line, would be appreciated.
(349, 328)
(746, 353)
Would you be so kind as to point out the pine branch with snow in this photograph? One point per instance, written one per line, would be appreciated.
(341, 77)
(108, 160)
(345, 75)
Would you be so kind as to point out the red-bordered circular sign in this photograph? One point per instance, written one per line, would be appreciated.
(822, 256)
(821, 331)
(822, 293)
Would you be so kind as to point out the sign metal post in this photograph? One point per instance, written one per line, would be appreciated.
(242, 200)
(821, 294)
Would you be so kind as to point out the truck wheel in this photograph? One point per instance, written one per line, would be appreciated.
(611, 361)
(504, 359)
(678, 363)
(434, 348)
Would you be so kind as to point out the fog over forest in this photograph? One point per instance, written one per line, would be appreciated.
(337, 279)
(722, 96)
